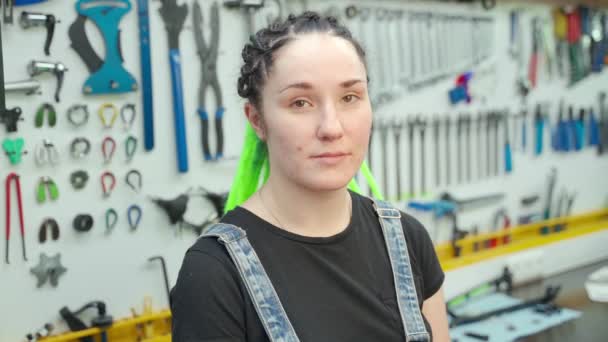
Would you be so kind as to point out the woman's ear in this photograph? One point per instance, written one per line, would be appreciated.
(256, 120)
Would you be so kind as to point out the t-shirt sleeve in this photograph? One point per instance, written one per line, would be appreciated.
(426, 257)
(206, 302)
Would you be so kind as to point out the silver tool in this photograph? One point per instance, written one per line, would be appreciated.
(35, 68)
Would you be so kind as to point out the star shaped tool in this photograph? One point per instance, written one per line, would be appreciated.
(48, 268)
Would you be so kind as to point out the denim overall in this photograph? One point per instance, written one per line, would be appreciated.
(267, 303)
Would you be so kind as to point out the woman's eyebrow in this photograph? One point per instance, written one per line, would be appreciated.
(350, 83)
(297, 85)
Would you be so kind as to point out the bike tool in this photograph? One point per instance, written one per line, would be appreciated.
(397, 127)
(208, 57)
(411, 126)
(111, 217)
(8, 117)
(174, 16)
(383, 130)
(107, 123)
(507, 146)
(134, 221)
(14, 178)
(48, 110)
(35, 68)
(108, 147)
(146, 73)
(136, 184)
(32, 19)
(107, 76)
(130, 147)
(448, 155)
(422, 122)
(46, 153)
(436, 123)
(13, 148)
(105, 187)
(127, 115)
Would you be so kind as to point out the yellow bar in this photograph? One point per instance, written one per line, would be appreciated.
(520, 238)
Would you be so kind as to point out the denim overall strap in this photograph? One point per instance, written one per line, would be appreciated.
(262, 293)
(407, 299)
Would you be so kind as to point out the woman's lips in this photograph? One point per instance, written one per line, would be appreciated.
(331, 158)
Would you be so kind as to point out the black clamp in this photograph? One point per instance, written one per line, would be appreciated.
(80, 147)
(83, 222)
(48, 223)
(79, 179)
(78, 120)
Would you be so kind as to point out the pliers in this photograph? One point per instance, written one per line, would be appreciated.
(208, 56)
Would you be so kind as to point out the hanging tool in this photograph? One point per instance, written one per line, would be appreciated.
(14, 178)
(105, 187)
(551, 180)
(564, 208)
(594, 133)
(602, 146)
(80, 147)
(579, 130)
(108, 147)
(411, 125)
(102, 114)
(130, 147)
(249, 7)
(44, 184)
(436, 124)
(459, 129)
(127, 120)
(507, 145)
(208, 58)
(28, 87)
(422, 122)
(111, 219)
(174, 17)
(134, 220)
(46, 153)
(102, 320)
(35, 68)
(448, 153)
(78, 114)
(599, 49)
(536, 47)
(574, 35)
(383, 130)
(176, 208)
(83, 223)
(79, 179)
(397, 127)
(49, 110)
(467, 133)
(135, 185)
(497, 148)
(539, 127)
(14, 149)
(165, 276)
(489, 124)
(146, 73)
(8, 117)
(48, 268)
(46, 225)
(107, 76)
(33, 19)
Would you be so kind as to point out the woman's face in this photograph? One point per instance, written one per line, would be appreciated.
(316, 112)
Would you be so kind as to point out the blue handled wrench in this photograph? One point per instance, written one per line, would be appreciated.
(174, 16)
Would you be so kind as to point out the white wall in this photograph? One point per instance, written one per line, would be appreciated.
(113, 267)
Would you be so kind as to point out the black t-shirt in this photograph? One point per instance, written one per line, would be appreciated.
(337, 288)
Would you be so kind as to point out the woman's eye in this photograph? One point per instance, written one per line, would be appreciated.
(299, 103)
(349, 98)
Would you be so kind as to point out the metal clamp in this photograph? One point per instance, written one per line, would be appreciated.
(128, 179)
(80, 147)
(107, 189)
(80, 120)
(45, 108)
(79, 179)
(101, 113)
(83, 222)
(128, 120)
(46, 153)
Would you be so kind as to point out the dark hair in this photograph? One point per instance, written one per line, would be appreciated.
(258, 53)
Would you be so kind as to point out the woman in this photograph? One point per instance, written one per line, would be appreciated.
(309, 260)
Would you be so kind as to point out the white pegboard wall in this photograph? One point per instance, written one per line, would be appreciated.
(113, 267)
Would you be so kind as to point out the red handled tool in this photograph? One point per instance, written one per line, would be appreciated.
(13, 177)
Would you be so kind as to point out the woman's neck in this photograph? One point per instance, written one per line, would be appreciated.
(305, 212)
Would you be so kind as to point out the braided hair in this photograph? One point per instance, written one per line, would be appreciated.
(258, 58)
(258, 52)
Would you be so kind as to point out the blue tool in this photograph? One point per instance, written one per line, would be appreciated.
(174, 17)
(28, 2)
(146, 73)
(571, 123)
(507, 147)
(208, 56)
(580, 130)
(107, 76)
(594, 131)
(539, 125)
(134, 221)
